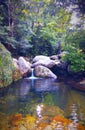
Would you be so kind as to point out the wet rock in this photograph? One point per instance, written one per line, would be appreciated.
(41, 71)
(52, 111)
(22, 127)
(48, 127)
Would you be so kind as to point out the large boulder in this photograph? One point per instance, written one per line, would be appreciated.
(42, 71)
(40, 57)
(5, 67)
(44, 61)
(15, 63)
(16, 73)
(9, 68)
(52, 111)
(24, 66)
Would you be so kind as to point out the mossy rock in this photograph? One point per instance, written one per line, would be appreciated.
(16, 74)
(52, 111)
(5, 67)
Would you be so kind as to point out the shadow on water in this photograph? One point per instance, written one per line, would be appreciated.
(23, 96)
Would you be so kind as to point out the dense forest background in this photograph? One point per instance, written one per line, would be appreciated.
(34, 27)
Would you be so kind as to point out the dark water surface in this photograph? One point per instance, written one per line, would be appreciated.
(23, 96)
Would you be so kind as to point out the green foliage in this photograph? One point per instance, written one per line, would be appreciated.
(14, 28)
(77, 37)
(36, 27)
(5, 67)
(49, 32)
(75, 57)
(32, 26)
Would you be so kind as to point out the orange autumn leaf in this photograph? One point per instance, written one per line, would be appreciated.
(42, 125)
(30, 118)
(61, 119)
(81, 127)
(16, 119)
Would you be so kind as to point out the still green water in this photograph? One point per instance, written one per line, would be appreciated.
(23, 96)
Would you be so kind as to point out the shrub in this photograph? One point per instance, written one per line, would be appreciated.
(75, 58)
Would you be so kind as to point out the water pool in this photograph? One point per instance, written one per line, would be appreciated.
(57, 98)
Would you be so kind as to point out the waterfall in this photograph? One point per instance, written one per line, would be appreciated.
(32, 75)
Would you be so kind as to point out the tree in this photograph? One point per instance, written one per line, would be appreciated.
(47, 24)
(34, 24)
(14, 28)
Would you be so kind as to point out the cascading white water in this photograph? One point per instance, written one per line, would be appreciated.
(32, 75)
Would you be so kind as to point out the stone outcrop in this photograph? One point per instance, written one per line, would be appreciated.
(40, 57)
(15, 63)
(24, 66)
(44, 61)
(11, 69)
(42, 71)
(5, 67)
(52, 111)
(53, 63)
(16, 73)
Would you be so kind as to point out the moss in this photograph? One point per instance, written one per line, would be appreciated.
(16, 74)
(5, 67)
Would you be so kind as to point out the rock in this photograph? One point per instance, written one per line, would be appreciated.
(40, 57)
(48, 127)
(44, 61)
(24, 66)
(22, 127)
(15, 63)
(52, 111)
(54, 57)
(82, 82)
(41, 71)
(62, 65)
(16, 73)
(5, 67)
(62, 54)
(47, 63)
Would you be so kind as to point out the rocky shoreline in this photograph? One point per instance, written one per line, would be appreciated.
(12, 69)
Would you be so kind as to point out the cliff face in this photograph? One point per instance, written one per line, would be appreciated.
(5, 67)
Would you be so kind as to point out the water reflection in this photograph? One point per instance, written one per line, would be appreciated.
(46, 85)
(23, 96)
